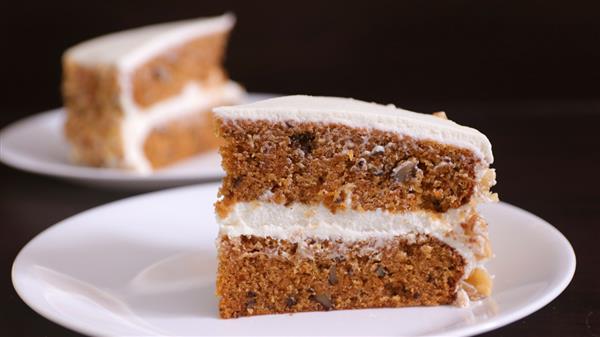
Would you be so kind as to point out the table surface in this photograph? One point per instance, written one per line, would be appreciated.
(547, 159)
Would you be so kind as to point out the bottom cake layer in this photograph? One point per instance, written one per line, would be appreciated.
(145, 139)
(260, 275)
(180, 139)
(164, 145)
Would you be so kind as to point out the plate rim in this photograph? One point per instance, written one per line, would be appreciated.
(469, 330)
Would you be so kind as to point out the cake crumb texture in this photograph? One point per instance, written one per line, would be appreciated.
(165, 75)
(258, 275)
(180, 139)
(341, 167)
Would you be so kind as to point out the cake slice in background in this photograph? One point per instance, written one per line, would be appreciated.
(333, 203)
(141, 99)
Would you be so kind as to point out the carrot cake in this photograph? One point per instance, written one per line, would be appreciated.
(141, 99)
(334, 203)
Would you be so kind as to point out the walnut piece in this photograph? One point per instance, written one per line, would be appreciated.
(440, 114)
(481, 281)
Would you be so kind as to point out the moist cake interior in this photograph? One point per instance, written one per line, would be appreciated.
(328, 275)
(319, 212)
(312, 164)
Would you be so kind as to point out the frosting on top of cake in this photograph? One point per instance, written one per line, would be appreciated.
(129, 48)
(356, 113)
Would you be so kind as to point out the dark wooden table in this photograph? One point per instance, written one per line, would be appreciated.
(547, 159)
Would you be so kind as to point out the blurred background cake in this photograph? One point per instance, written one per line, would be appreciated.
(140, 99)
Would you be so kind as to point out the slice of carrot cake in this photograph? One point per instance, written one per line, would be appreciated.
(333, 203)
(141, 99)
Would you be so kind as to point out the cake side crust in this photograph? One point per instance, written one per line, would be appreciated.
(260, 275)
(94, 115)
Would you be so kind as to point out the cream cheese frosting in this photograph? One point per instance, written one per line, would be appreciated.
(130, 48)
(360, 114)
(299, 221)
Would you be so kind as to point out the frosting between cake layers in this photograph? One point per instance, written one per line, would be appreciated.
(130, 48)
(297, 222)
(359, 114)
(138, 123)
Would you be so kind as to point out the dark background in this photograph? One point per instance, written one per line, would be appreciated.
(526, 73)
(389, 51)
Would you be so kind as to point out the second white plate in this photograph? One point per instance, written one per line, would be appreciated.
(36, 144)
(146, 266)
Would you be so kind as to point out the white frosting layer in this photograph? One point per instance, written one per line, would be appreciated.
(138, 123)
(355, 113)
(297, 222)
(129, 48)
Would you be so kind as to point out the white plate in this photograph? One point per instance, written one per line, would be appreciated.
(36, 144)
(146, 266)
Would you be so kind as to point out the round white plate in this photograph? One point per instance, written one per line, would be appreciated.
(146, 266)
(37, 144)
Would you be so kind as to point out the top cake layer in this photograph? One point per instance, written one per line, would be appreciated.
(129, 48)
(355, 113)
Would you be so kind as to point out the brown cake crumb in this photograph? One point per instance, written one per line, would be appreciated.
(180, 139)
(341, 167)
(166, 74)
(260, 275)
